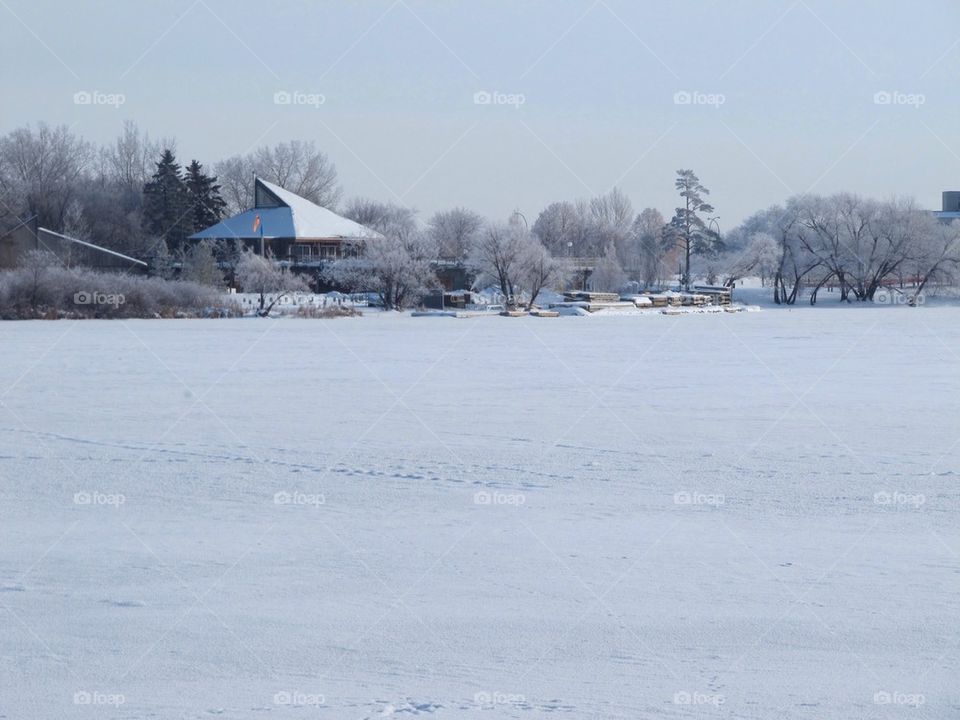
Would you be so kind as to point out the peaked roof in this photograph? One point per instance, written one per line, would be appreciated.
(284, 214)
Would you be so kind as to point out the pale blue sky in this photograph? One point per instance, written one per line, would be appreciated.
(798, 81)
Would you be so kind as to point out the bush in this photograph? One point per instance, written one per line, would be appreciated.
(332, 311)
(41, 290)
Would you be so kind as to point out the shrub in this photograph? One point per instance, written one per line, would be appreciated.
(37, 289)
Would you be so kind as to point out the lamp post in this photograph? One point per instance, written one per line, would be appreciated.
(517, 213)
(713, 221)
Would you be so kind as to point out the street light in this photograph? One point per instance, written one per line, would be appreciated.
(713, 221)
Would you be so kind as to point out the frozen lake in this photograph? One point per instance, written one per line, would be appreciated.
(734, 516)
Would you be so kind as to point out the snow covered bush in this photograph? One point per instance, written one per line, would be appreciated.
(397, 268)
(41, 288)
(260, 275)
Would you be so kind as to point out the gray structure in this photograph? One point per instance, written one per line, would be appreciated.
(27, 235)
(950, 206)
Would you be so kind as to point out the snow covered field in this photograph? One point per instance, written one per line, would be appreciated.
(732, 516)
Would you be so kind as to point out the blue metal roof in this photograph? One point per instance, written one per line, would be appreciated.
(284, 214)
(275, 223)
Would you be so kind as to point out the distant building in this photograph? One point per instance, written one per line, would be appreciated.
(950, 207)
(23, 236)
(290, 229)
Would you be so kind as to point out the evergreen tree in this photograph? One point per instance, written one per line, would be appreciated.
(166, 203)
(686, 227)
(199, 265)
(207, 205)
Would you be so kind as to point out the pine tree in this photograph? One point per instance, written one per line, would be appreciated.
(166, 203)
(686, 226)
(207, 205)
(199, 265)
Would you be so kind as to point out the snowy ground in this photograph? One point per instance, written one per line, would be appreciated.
(704, 516)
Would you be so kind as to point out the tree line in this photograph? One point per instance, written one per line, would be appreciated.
(133, 196)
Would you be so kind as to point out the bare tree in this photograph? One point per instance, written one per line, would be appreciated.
(385, 218)
(608, 275)
(257, 274)
(129, 160)
(540, 268)
(396, 267)
(651, 247)
(561, 229)
(498, 258)
(454, 233)
(42, 171)
(296, 166)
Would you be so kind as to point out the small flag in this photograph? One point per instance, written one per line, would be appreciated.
(256, 223)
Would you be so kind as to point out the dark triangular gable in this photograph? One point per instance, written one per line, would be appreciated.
(264, 198)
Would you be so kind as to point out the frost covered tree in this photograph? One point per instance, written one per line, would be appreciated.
(128, 160)
(610, 226)
(385, 218)
(454, 233)
(652, 248)
(561, 228)
(257, 274)
(297, 166)
(396, 267)
(608, 275)
(540, 269)
(687, 228)
(513, 259)
(42, 172)
(199, 265)
(498, 259)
